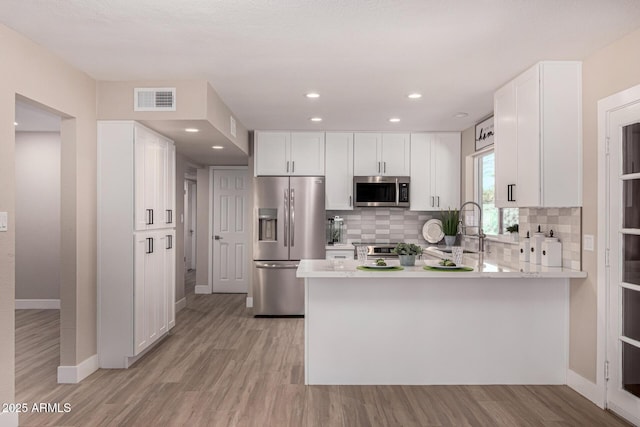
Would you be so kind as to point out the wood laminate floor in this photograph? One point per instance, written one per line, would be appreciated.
(222, 367)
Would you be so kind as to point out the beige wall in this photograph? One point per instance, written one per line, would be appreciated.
(468, 147)
(219, 114)
(30, 71)
(37, 215)
(609, 70)
(202, 226)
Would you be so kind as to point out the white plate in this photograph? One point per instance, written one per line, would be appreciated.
(432, 231)
(381, 267)
(436, 264)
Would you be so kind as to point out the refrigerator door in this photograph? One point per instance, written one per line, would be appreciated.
(271, 218)
(276, 289)
(307, 218)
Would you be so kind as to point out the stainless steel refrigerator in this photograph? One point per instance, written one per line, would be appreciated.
(289, 221)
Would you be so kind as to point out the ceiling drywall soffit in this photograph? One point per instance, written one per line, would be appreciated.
(197, 146)
(363, 57)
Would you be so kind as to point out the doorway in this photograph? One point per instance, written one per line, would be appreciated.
(623, 267)
(190, 231)
(38, 248)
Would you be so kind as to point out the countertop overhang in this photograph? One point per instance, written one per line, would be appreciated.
(481, 269)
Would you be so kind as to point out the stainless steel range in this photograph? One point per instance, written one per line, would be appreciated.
(378, 250)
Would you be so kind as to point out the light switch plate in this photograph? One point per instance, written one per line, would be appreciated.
(4, 221)
(588, 242)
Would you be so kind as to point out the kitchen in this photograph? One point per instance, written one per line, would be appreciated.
(584, 353)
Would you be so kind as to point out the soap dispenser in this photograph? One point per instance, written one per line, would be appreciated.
(525, 248)
(536, 247)
(551, 251)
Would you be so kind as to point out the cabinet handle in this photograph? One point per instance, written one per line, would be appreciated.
(169, 241)
(293, 166)
(433, 202)
(287, 166)
(510, 197)
(378, 167)
(149, 216)
(169, 216)
(350, 200)
(384, 164)
(438, 199)
(149, 245)
(340, 257)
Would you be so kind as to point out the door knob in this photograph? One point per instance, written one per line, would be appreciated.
(216, 237)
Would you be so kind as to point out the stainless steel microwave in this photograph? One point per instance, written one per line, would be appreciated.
(381, 191)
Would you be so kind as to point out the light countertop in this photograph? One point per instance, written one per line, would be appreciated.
(485, 269)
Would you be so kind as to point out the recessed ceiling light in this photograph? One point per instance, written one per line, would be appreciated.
(414, 95)
(192, 130)
(316, 119)
(217, 147)
(394, 120)
(461, 115)
(312, 95)
(15, 123)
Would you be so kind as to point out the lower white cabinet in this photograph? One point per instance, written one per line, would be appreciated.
(154, 290)
(340, 254)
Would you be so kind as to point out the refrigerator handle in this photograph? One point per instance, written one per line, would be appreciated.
(293, 217)
(286, 217)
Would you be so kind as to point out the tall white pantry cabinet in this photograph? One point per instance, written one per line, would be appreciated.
(136, 234)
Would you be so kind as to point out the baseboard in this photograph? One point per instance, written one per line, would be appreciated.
(633, 419)
(75, 374)
(8, 419)
(202, 289)
(181, 304)
(37, 304)
(249, 302)
(586, 388)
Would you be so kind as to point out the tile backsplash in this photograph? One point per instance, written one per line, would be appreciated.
(387, 225)
(384, 225)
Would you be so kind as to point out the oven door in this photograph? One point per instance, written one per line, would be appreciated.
(375, 191)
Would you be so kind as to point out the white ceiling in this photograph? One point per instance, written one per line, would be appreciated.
(362, 56)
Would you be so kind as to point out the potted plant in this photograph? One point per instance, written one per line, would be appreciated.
(513, 232)
(407, 253)
(450, 220)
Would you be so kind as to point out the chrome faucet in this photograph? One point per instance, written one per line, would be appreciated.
(481, 236)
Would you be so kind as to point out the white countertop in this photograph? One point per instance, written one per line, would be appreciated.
(486, 269)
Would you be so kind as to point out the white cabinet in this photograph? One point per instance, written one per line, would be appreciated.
(136, 259)
(435, 171)
(538, 137)
(385, 154)
(346, 254)
(289, 153)
(154, 179)
(339, 171)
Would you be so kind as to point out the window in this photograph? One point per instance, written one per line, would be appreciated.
(494, 220)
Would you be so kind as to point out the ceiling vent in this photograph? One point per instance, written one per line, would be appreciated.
(154, 99)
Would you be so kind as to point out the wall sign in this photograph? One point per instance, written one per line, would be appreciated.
(484, 133)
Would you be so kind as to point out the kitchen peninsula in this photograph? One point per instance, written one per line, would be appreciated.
(492, 325)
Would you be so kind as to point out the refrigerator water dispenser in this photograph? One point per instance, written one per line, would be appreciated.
(267, 224)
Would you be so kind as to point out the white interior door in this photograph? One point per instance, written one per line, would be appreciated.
(623, 329)
(231, 192)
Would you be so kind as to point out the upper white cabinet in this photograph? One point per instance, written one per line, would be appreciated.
(154, 178)
(435, 171)
(381, 154)
(339, 171)
(538, 137)
(289, 153)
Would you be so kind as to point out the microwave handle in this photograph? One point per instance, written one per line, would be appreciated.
(397, 192)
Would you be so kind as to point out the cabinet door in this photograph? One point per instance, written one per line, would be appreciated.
(366, 154)
(170, 278)
(528, 107)
(161, 285)
(395, 154)
(421, 196)
(271, 153)
(506, 147)
(445, 167)
(144, 294)
(145, 165)
(307, 154)
(169, 184)
(339, 171)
